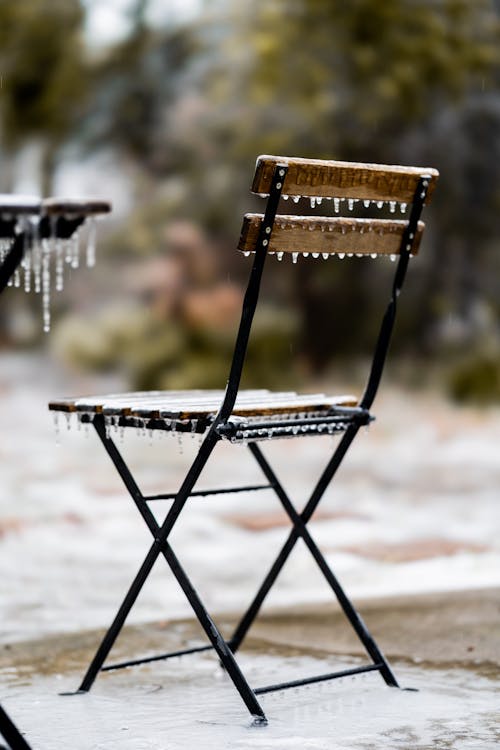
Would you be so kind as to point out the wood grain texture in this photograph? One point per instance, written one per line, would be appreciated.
(195, 404)
(340, 179)
(331, 235)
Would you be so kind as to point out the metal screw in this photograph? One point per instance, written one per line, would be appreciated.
(278, 185)
(265, 243)
(268, 230)
(281, 172)
(411, 235)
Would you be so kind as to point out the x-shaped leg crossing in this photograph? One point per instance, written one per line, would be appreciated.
(226, 649)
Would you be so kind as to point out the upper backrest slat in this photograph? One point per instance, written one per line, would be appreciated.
(339, 179)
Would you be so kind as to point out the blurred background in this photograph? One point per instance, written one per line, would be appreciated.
(162, 107)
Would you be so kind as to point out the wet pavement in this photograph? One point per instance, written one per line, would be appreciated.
(188, 702)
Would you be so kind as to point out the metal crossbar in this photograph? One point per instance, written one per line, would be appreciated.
(346, 421)
(206, 493)
(317, 678)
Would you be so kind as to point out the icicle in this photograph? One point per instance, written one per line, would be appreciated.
(350, 255)
(392, 206)
(75, 249)
(279, 256)
(350, 203)
(36, 251)
(380, 204)
(27, 265)
(366, 203)
(91, 242)
(305, 255)
(341, 256)
(296, 198)
(312, 201)
(46, 286)
(311, 227)
(17, 278)
(107, 426)
(402, 207)
(59, 265)
(246, 253)
(57, 429)
(373, 255)
(315, 255)
(318, 201)
(343, 229)
(285, 197)
(180, 443)
(393, 258)
(68, 420)
(336, 205)
(67, 251)
(325, 256)
(294, 257)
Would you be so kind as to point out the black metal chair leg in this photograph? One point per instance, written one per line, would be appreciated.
(323, 482)
(349, 610)
(221, 647)
(11, 733)
(161, 546)
(12, 261)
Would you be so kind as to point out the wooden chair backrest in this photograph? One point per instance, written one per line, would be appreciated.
(322, 180)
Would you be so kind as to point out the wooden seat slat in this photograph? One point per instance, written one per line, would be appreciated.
(75, 206)
(332, 235)
(328, 178)
(198, 404)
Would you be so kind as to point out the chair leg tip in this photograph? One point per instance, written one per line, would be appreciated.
(259, 721)
(74, 692)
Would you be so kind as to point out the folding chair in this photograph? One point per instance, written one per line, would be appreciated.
(250, 417)
(32, 232)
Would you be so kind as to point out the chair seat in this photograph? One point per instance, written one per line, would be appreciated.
(195, 410)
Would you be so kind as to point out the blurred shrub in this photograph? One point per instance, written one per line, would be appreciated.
(476, 379)
(159, 354)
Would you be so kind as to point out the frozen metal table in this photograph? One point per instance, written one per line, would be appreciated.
(38, 240)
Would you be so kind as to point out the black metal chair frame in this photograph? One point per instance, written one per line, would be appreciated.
(345, 419)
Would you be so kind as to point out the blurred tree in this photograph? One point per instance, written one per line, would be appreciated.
(369, 81)
(43, 79)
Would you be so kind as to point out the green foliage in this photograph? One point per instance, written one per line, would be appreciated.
(477, 379)
(42, 69)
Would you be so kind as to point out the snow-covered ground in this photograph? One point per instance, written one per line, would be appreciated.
(183, 708)
(414, 508)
